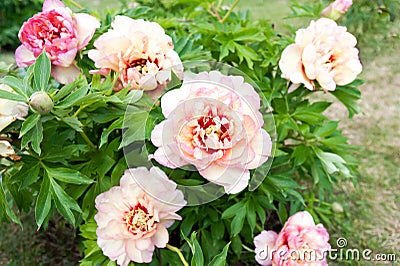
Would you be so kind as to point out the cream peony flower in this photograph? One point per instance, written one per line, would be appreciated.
(323, 52)
(300, 242)
(133, 218)
(9, 112)
(139, 51)
(213, 122)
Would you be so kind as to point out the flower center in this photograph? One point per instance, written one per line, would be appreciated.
(138, 220)
(139, 65)
(212, 132)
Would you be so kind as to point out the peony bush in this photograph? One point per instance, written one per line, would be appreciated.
(179, 133)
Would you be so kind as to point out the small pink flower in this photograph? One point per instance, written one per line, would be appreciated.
(265, 245)
(323, 52)
(213, 122)
(336, 9)
(133, 218)
(140, 52)
(61, 33)
(300, 242)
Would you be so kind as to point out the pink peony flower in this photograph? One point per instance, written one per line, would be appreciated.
(213, 122)
(336, 9)
(323, 52)
(11, 110)
(300, 242)
(265, 246)
(61, 33)
(131, 221)
(140, 52)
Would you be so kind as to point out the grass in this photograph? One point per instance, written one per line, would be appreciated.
(372, 206)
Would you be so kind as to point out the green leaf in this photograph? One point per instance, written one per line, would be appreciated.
(326, 129)
(220, 259)
(43, 202)
(64, 203)
(198, 257)
(5, 207)
(68, 176)
(73, 122)
(41, 74)
(29, 123)
(12, 96)
(251, 215)
(34, 136)
(117, 124)
(71, 99)
(16, 84)
(28, 174)
(232, 210)
(300, 154)
(282, 213)
(349, 96)
(237, 222)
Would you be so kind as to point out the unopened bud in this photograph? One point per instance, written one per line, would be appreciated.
(41, 102)
(336, 207)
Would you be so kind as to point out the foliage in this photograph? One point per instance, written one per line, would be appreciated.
(12, 15)
(75, 152)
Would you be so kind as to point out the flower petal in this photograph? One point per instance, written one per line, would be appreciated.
(85, 26)
(160, 239)
(65, 75)
(52, 4)
(24, 57)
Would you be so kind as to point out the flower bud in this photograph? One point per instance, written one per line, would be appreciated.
(41, 102)
(337, 208)
(336, 9)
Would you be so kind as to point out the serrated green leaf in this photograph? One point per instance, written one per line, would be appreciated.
(41, 73)
(43, 202)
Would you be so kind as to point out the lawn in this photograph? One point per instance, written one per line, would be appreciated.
(372, 206)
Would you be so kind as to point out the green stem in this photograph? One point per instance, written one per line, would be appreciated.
(230, 11)
(259, 227)
(85, 137)
(79, 110)
(178, 251)
(247, 248)
(76, 4)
